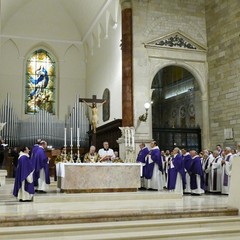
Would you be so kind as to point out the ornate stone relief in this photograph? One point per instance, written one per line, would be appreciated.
(176, 40)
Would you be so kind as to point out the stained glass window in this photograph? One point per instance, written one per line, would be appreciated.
(40, 83)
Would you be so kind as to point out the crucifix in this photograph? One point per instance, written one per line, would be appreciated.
(92, 103)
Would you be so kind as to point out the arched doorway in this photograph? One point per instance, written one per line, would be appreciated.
(175, 98)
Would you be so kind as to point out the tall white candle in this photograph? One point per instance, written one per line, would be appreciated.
(65, 136)
(129, 138)
(133, 141)
(71, 137)
(126, 132)
(78, 137)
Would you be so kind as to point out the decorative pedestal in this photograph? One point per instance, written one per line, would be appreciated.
(3, 175)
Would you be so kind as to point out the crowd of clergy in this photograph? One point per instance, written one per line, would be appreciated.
(186, 172)
(32, 172)
(179, 170)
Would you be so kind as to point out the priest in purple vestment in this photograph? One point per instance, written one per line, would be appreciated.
(41, 173)
(35, 147)
(176, 172)
(153, 171)
(23, 186)
(187, 160)
(196, 174)
(141, 158)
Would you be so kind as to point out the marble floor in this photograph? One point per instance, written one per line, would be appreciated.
(55, 202)
(65, 210)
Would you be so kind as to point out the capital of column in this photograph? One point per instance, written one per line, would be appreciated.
(126, 4)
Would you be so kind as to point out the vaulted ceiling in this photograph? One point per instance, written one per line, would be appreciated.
(67, 20)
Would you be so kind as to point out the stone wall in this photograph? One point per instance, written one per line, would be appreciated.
(154, 19)
(222, 21)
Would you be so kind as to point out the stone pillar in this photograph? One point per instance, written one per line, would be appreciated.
(127, 144)
(234, 191)
(0, 28)
(127, 64)
(205, 121)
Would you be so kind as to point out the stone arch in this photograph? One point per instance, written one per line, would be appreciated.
(193, 70)
(13, 43)
(42, 45)
(200, 77)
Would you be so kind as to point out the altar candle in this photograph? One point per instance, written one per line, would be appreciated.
(125, 137)
(78, 137)
(71, 137)
(65, 136)
(129, 138)
(133, 143)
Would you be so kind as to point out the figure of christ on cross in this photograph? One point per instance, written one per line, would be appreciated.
(92, 103)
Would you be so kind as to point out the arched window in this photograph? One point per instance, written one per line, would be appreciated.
(40, 83)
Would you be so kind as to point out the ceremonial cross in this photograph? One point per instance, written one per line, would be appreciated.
(91, 100)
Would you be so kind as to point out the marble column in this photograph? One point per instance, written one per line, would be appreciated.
(127, 64)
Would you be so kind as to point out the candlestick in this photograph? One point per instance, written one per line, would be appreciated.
(78, 155)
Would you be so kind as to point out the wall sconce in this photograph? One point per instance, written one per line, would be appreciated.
(143, 117)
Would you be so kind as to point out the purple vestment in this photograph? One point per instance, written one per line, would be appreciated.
(156, 158)
(34, 150)
(177, 162)
(187, 160)
(24, 168)
(142, 154)
(141, 158)
(196, 168)
(40, 160)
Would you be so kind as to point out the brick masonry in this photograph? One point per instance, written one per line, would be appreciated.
(222, 23)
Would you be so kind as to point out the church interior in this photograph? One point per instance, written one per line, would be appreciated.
(156, 69)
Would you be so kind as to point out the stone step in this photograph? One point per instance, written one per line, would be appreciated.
(193, 228)
(59, 208)
(104, 207)
(88, 213)
(116, 196)
(54, 195)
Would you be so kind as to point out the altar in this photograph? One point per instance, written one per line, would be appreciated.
(98, 177)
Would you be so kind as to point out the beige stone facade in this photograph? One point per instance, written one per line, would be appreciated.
(214, 24)
(222, 20)
(159, 19)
